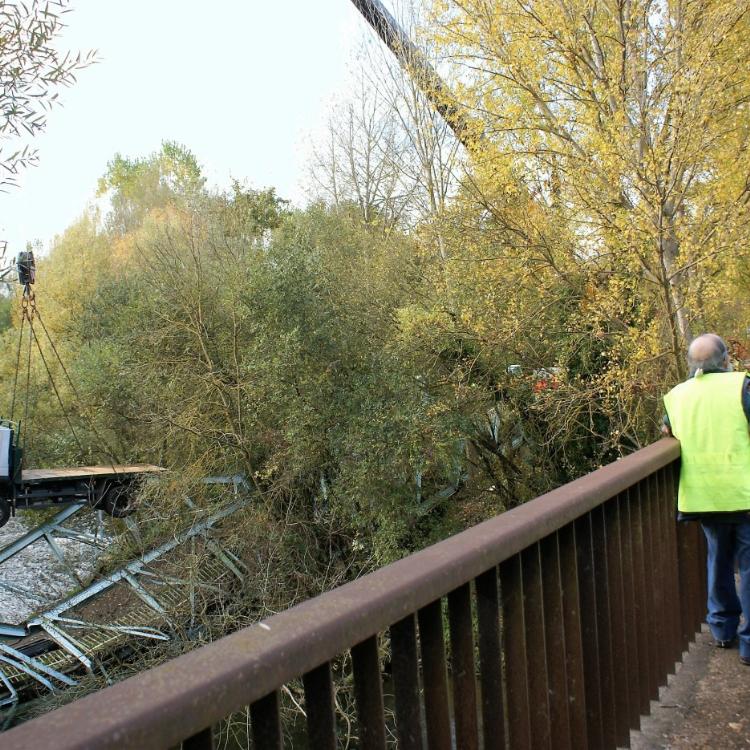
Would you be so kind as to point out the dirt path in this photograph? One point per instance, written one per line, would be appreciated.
(705, 707)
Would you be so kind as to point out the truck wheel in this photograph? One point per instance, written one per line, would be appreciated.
(4, 511)
(118, 499)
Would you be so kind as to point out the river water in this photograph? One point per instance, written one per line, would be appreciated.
(37, 572)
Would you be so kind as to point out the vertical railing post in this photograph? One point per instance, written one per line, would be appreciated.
(574, 658)
(632, 640)
(437, 712)
(537, 678)
(587, 591)
(320, 708)
(368, 694)
(652, 587)
(265, 715)
(621, 674)
(556, 647)
(405, 665)
(669, 491)
(514, 653)
(660, 579)
(641, 589)
(464, 673)
(604, 627)
(490, 661)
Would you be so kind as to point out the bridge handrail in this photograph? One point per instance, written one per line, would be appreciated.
(181, 698)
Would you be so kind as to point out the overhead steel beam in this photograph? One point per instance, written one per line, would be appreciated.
(413, 61)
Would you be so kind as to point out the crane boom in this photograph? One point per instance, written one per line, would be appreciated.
(416, 64)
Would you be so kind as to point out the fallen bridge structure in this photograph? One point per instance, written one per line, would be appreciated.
(47, 651)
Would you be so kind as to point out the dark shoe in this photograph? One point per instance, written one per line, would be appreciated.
(745, 660)
(724, 644)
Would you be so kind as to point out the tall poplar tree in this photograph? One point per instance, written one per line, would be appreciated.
(615, 145)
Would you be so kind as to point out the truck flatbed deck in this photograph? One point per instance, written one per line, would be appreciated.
(34, 476)
(108, 487)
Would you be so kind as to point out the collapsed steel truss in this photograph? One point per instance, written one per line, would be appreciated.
(78, 641)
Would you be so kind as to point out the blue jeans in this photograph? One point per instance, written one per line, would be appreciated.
(727, 543)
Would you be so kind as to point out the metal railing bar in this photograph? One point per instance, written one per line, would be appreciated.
(659, 581)
(688, 581)
(265, 719)
(202, 741)
(670, 523)
(228, 674)
(666, 665)
(536, 652)
(652, 589)
(434, 676)
(640, 588)
(405, 670)
(700, 561)
(589, 633)
(607, 675)
(632, 643)
(672, 483)
(368, 694)
(555, 645)
(490, 661)
(320, 708)
(514, 653)
(620, 646)
(571, 619)
(463, 671)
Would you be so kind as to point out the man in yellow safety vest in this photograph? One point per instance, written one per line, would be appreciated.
(709, 415)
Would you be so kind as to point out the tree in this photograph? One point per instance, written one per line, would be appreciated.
(385, 148)
(357, 162)
(622, 126)
(170, 176)
(32, 70)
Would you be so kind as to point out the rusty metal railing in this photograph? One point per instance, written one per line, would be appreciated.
(564, 616)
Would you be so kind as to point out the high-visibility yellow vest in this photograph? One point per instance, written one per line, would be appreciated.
(707, 417)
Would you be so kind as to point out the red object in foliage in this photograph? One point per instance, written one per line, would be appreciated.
(546, 384)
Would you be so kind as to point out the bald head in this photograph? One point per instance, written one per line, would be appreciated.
(707, 352)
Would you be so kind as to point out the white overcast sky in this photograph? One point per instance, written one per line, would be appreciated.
(241, 83)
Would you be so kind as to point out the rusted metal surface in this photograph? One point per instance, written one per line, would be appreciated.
(632, 644)
(368, 691)
(589, 634)
(514, 653)
(320, 707)
(490, 661)
(571, 623)
(265, 716)
(463, 669)
(642, 610)
(405, 666)
(617, 617)
(435, 679)
(604, 629)
(555, 646)
(568, 564)
(537, 679)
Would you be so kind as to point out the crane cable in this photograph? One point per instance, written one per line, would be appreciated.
(29, 312)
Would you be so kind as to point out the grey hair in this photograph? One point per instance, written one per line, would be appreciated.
(715, 360)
